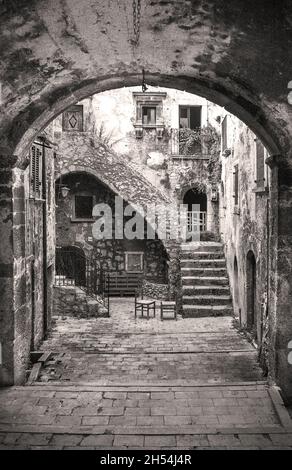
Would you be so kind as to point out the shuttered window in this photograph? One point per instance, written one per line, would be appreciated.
(236, 185)
(224, 134)
(260, 164)
(36, 171)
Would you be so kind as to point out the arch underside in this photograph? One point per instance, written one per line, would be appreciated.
(77, 169)
(255, 117)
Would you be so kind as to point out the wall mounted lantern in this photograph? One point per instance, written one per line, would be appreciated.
(214, 194)
(65, 191)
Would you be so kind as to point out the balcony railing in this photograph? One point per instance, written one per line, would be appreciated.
(73, 268)
(187, 142)
(196, 221)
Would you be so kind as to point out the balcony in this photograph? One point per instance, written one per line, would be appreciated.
(188, 144)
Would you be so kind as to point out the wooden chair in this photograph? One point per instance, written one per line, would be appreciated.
(168, 306)
(143, 305)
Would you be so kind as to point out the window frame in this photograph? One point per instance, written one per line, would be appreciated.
(236, 187)
(36, 171)
(149, 124)
(262, 184)
(141, 253)
(224, 134)
(188, 107)
(74, 218)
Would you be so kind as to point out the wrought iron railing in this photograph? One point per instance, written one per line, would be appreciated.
(196, 221)
(187, 142)
(73, 268)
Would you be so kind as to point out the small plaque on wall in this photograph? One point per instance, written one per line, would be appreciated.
(73, 119)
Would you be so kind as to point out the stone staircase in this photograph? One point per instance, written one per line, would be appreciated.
(70, 300)
(205, 285)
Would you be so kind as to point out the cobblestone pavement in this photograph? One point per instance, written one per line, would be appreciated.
(122, 350)
(116, 383)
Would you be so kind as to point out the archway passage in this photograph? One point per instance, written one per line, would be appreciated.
(220, 65)
(91, 218)
(71, 265)
(193, 196)
(251, 292)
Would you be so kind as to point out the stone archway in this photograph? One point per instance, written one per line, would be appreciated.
(224, 63)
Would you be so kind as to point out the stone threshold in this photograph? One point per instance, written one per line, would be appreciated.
(155, 353)
(102, 385)
(142, 430)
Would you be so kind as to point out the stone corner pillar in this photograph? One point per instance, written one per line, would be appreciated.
(280, 266)
(6, 271)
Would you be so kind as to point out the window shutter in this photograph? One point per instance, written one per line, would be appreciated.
(224, 133)
(33, 169)
(235, 185)
(260, 164)
(36, 171)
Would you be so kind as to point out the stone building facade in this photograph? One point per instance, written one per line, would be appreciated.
(34, 214)
(114, 131)
(245, 225)
(128, 143)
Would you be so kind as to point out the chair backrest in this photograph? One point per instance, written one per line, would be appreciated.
(139, 290)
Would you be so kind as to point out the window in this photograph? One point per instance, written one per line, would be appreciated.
(236, 185)
(224, 134)
(83, 206)
(134, 261)
(189, 130)
(36, 171)
(73, 119)
(260, 165)
(190, 117)
(148, 115)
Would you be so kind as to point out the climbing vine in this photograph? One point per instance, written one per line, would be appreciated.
(207, 140)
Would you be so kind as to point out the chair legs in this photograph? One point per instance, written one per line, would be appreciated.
(145, 309)
(167, 308)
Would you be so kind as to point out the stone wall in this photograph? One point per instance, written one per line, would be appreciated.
(108, 120)
(70, 301)
(92, 50)
(109, 252)
(30, 300)
(245, 227)
(154, 290)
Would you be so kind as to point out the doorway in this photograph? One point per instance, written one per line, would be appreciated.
(251, 292)
(196, 203)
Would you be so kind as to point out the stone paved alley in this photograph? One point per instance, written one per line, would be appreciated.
(120, 383)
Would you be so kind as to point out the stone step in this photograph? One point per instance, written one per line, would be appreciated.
(202, 255)
(205, 290)
(207, 300)
(197, 311)
(202, 271)
(201, 246)
(203, 263)
(205, 280)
